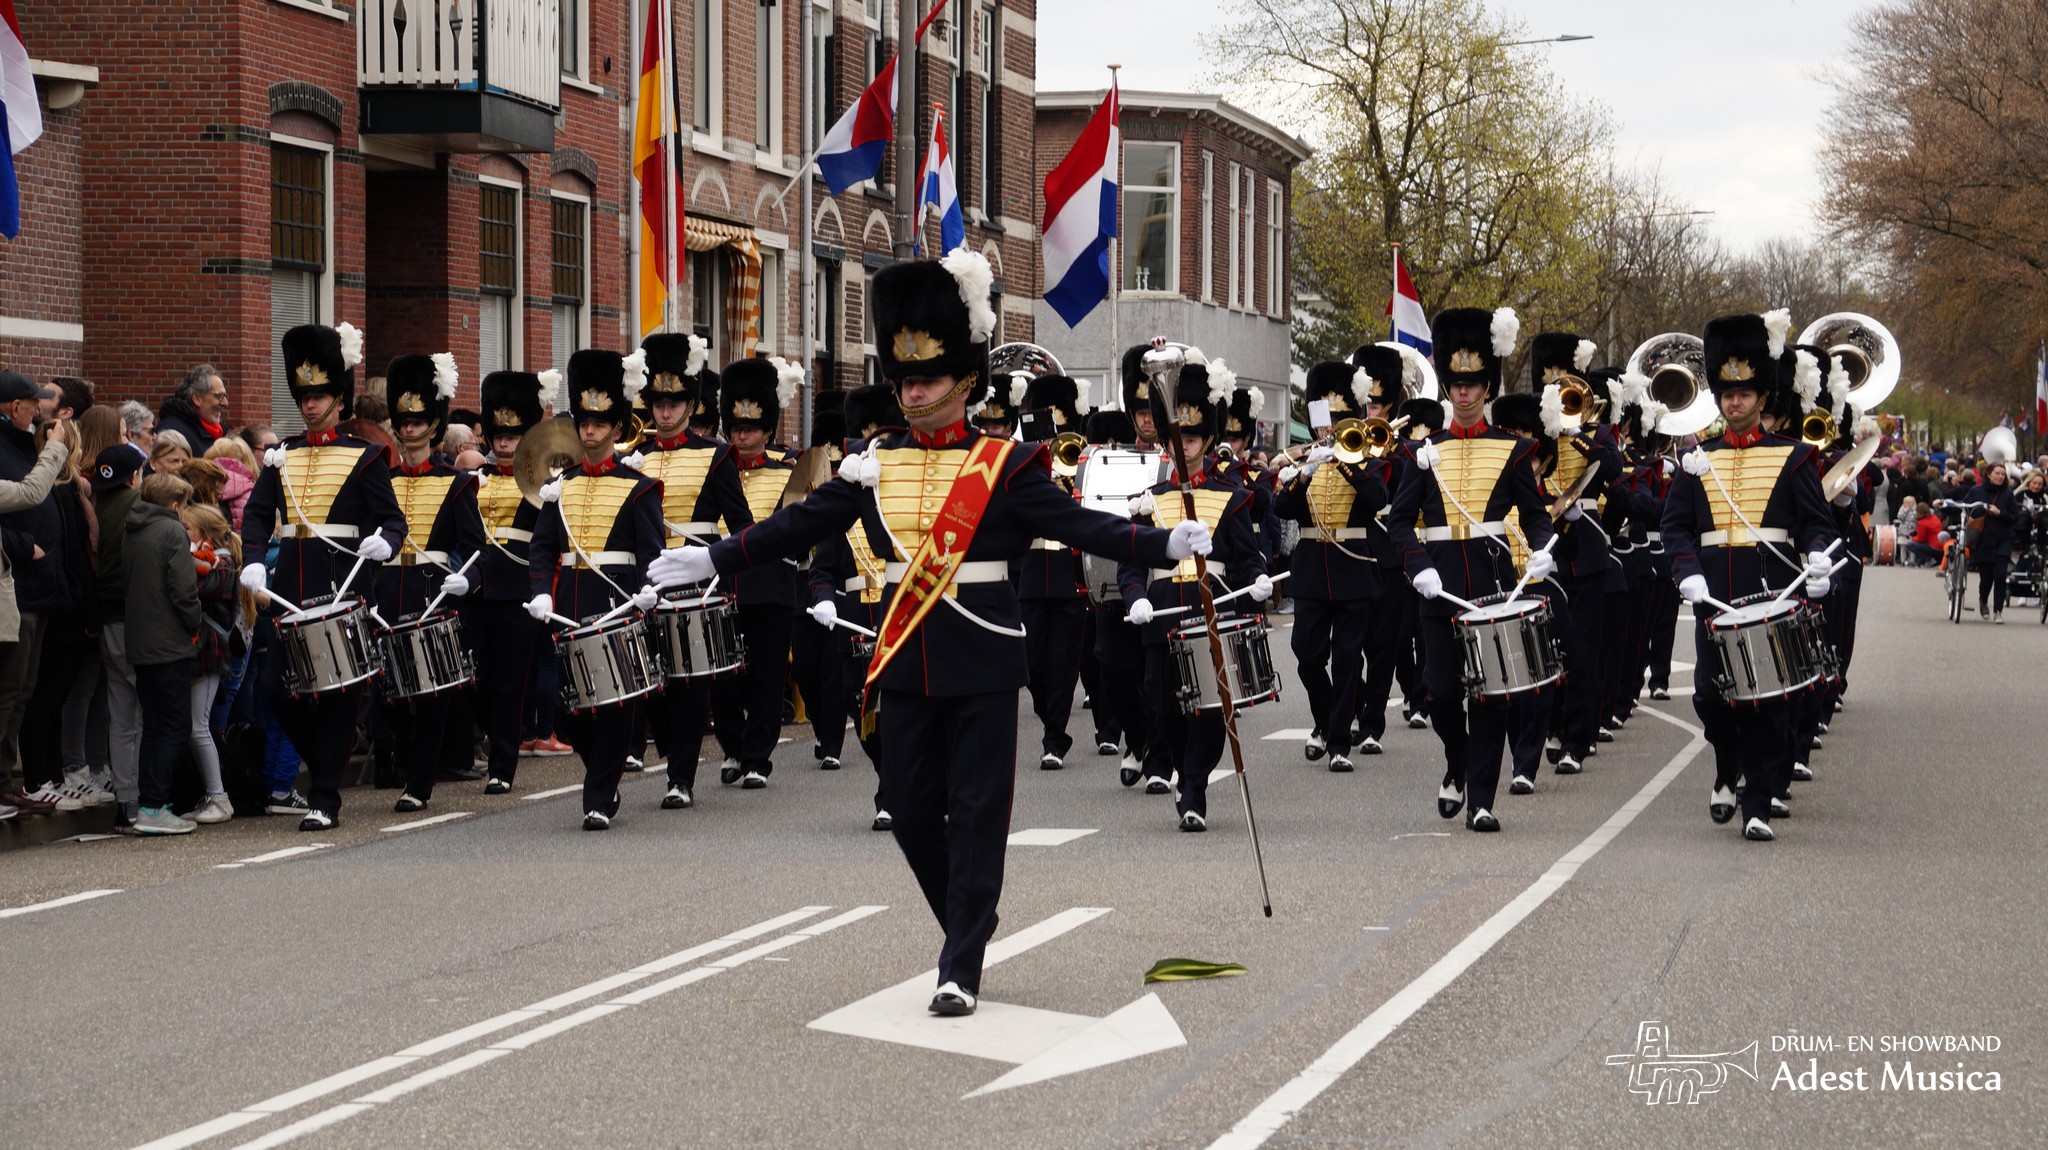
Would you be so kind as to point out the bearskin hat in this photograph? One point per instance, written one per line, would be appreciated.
(1469, 343)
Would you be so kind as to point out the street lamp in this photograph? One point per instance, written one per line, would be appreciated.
(1567, 38)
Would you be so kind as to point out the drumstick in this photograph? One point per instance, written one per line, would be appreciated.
(1795, 584)
(854, 627)
(1220, 599)
(444, 586)
(614, 613)
(1524, 582)
(1457, 602)
(360, 560)
(283, 602)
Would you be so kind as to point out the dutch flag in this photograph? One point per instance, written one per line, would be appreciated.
(21, 118)
(938, 192)
(1411, 326)
(1080, 217)
(852, 151)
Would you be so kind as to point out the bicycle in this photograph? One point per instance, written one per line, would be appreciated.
(1955, 557)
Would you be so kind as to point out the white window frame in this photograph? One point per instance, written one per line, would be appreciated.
(872, 15)
(1276, 247)
(1250, 204)
(580, 69)
(1173, 189)
(768, 82)
(582, 339)
(824, 35)
(516, 353)
(323, 309)
(1208, 226)
(772, 302)
(707, 64)
(1236, 237)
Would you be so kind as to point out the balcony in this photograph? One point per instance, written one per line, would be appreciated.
(460, 75)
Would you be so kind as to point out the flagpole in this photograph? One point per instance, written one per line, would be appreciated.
(908, 31)
(806, 284)
(671, 173)
(1393, 321)
(1112, 385)
(636, 29)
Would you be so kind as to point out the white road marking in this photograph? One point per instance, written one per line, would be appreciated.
(1047, 836)
(548, 794)
(418, 823)
(67, 900)
(1288, 734)
(273, 856)
(1277, 1110)
(376, 1067)
(1421, 835)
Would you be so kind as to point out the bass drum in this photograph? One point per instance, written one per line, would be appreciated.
(1885, 545)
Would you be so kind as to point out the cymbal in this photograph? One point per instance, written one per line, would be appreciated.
(1565, 501)
(1839, 476)
(543, 452)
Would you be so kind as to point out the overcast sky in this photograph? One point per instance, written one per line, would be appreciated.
(1731, 105)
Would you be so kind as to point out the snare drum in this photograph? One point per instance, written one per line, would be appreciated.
(425, 656)
(1247, 663)
(1766, 649)
(326, 648)
(1887, 545)
(608, 662)
(1509, 648)
(699, 639)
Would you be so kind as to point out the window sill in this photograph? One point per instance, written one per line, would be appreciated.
(581, 84)
(709, 146)
(341, 14)
(1134, 293)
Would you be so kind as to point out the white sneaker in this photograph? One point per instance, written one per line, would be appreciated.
(213, 809)
(80, 785)
(49, 793)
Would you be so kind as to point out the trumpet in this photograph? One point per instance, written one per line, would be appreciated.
(1357, 440)
(634, 433)
(1581, 404)
(1818, 429)
(1066, 453)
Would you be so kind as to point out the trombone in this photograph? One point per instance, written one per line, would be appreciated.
(1066, 453)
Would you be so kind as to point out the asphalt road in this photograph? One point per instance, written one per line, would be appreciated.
(504, 979)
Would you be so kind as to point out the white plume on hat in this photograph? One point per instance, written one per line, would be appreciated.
(700, 353)
(1553, 410)
(1582, 355)
(970, 269)
(1257, 402)
(1450, 411)
(1838, 386)
(1361, 386)
(444, 375)
(635, 366)
(550, 380)
(1507, 327)
(1777, 322)
(351, 343)
(1806, 379)
(1020, 382)
(1222, 381)
(1867, 426)
(1654, 411)
(1081, 404)
(1194, 355)
(788, 377)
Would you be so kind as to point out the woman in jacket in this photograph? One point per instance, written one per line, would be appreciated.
(227, 612)
(163, 620)
(1993, 554)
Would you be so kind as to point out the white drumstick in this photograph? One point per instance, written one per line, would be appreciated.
(444, 586)
(1220, 599)
(296, 610)
(1524, 582)
(1457, 602)
(854, 627)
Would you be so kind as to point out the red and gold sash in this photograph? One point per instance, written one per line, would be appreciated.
(938, 558)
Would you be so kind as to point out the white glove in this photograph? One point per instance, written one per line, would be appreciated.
(1427, 456)
(1320, 453)
(646, 598)
(1189, 538)
(826, 612)
(1845, 499)
(1139, 611)
(1289, 473)
(1143, 504)
(1262, 589)
(455, 584)
(1695, 462)
(255, 578)
(1428, 583)
(274, 457)
(1573, 512)
(541, 606)
(376, 549)
(1540, 565)
(1818, 588)
(1693, 588)
(861, 469)
(551, 491)
(1669, 468)
(679, 565)
(1818, 564)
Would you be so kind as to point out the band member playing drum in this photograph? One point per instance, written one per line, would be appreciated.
(1740, 510)
(504, 637)
(1119, 649)
(1335, 578)
(591, 549)
(956, 508)
(1465, 483)
(1051, 590)
(328, 497)
(748, 707)
(700, 486)
(443, 531)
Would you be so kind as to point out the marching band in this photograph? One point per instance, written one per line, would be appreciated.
(1514, 562)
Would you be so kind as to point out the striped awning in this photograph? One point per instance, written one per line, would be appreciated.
(742, 306)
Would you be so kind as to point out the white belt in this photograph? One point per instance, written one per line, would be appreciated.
(1342, 534)
(858, 585)
(415, 558)
(979, 571)
(1744, 537)
(1048, 545)
(1592, 505)
(710, 529)
(600, 559)
(1460, 531)
(511, 535)
(323, 530)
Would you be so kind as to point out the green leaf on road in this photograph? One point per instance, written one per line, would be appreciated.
(1183, 969)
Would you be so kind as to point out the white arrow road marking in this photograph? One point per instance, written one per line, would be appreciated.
(1042, 1044)
(1047, 837)
(67, 900)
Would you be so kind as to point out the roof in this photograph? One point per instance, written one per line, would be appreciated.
(1132, 99)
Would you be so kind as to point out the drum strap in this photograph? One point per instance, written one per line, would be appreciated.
(932, 569)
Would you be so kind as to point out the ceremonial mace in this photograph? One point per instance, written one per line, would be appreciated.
(1163, 364)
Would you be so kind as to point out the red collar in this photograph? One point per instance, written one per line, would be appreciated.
(412, 470)
(1472, 432)
(323, 438)
(505, 467)
(754, 464)
(603, 466)
(944, 437)
(213, 429)
(1750, 438)
(661, 444)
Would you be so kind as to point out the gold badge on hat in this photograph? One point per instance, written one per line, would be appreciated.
(667, 381)
(505, 417)
(1737, 371)
(410, 403)
(1466, 360)
(917, 346)
(594, 400)
(746, 409)
(1188, 413)
(310, 375)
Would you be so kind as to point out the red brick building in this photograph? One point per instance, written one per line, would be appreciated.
(446, 174)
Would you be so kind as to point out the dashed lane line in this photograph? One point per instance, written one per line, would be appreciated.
(274, 856)
(67, 900)
(416, 824)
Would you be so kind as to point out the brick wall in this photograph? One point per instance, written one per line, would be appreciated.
(40, 269)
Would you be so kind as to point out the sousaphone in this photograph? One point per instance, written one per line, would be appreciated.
(1418, 375)
(1675, 363)
(1867, 350)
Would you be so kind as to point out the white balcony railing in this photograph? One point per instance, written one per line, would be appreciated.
(506, 46)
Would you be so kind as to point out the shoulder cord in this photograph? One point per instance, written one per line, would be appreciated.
(1317, 515)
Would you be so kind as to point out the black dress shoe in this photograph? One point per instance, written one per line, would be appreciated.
(1157, 786)
(1482, 820)
(882, 822)
(952, 1002)
(1450, 799)
(1568, 764)
(1660, 693)
(318, 820)
(1340, 764)
(1721, 805)
(1314, 748)
(678, 798)
(729, 773)
(1105, 747)
(635, 764)
(1128, 776)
